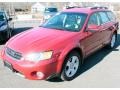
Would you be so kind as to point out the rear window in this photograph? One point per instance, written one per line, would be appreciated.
(111, 16)
(104, 17)
(50, 9)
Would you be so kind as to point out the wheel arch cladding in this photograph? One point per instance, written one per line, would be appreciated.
(64, 54)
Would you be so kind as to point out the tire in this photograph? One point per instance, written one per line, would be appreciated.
(3, 36)
(112, 42)
(71, 66)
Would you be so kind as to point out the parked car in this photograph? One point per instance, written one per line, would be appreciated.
(60, 46)
(6, 26)
(49, 12)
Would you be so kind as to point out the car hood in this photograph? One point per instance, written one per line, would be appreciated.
(37, 39)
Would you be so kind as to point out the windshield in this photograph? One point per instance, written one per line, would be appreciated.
(66, 21)
(2, 16)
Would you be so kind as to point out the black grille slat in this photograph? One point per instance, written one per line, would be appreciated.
(13, 54)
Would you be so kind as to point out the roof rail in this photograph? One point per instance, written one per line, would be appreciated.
(99, 8)
(68, 7)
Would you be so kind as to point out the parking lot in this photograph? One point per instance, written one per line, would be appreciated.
(102, 69)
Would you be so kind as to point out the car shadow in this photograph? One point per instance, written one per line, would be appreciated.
(16, 31)
(92, 60)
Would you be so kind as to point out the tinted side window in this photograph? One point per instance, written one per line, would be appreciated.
(94, 19)
(104, 17)
(111, 16)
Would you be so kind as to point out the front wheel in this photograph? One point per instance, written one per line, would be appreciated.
(71, 66)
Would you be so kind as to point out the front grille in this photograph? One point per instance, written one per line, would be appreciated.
(13, 54)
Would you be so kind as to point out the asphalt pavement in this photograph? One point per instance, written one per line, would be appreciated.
(101, 69)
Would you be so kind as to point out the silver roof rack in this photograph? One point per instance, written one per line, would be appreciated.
(69, 7)
(99, 8)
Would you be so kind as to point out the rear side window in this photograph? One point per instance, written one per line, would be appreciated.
(104, 17)
(111, 16)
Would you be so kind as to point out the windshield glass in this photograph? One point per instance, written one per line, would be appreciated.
(66, 21)
(2, 16)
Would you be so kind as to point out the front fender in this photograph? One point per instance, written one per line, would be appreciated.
(64, 53)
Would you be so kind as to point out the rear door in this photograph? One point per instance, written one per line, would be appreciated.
(106, 27)
(92, 40)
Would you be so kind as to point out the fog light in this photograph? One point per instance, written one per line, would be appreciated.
(40, 75)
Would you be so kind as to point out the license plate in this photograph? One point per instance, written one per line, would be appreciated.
(8, 65)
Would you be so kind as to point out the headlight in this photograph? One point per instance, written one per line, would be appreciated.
(3, 27)
(39, 56)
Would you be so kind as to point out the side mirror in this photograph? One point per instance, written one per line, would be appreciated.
(92, 28)
(9, 19)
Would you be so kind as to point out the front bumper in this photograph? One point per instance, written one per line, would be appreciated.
(31, 70)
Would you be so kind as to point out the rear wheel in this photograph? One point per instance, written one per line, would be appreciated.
(71, 66)
(113, 41)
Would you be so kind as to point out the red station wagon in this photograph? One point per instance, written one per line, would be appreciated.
(60, 45)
